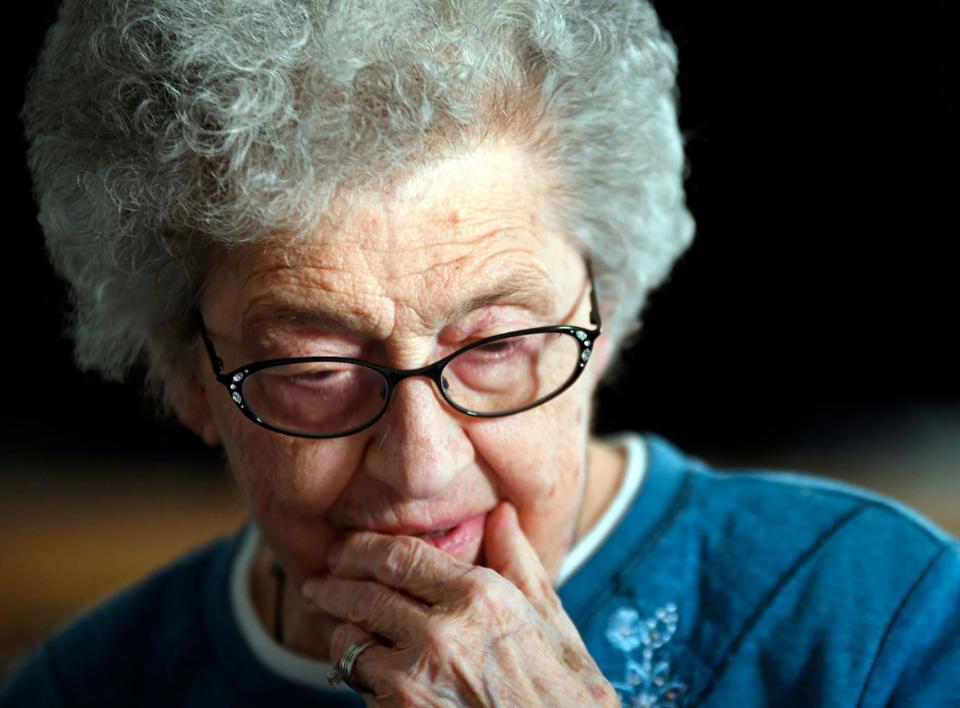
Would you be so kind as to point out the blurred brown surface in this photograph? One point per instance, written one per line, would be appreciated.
(68, 542)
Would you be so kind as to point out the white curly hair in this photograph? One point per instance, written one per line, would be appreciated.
(164, 132)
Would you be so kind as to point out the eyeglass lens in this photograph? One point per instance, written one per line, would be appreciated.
(326, 398)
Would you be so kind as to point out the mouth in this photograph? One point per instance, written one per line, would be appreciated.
(433, 534)
(464, 540)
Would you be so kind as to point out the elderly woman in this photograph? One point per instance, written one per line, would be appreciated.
(382, 254)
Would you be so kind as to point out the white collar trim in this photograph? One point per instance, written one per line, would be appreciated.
(277, 658)
(594, 538)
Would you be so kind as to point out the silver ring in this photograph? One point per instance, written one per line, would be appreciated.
(344, 671)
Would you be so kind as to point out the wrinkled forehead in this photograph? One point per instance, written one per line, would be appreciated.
(460, 235)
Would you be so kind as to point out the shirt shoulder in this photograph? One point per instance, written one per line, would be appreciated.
(917, 660)
(799, 529)
(772, 582)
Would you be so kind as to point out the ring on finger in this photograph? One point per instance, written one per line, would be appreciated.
(344, 669)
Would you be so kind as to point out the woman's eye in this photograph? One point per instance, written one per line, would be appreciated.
(307, 378)
(317, 379)
(501, 347)
(501, 351)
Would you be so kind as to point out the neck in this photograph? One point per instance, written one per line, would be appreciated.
(303, 632)
(606, 466)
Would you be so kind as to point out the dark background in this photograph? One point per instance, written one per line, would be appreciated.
(819, 295)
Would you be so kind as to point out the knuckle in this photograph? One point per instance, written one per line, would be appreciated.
(401, 554)
(489, 593)
(477, 579)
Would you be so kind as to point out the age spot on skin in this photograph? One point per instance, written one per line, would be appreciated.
(598, 691)
(572, 659)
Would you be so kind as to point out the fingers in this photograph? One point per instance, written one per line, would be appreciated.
(402, 562)
(387, 584)
(369, 605)
(364, 675)
(508, 552)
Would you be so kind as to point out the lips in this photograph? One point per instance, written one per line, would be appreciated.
(462, 540)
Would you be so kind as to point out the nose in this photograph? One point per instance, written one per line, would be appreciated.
(419, 447)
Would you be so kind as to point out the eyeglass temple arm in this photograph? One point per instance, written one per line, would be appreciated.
(215, 361)
(594, 305)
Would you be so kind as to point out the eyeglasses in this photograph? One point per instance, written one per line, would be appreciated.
(330, 397)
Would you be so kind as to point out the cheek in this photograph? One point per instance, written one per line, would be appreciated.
(289, 486)
(299, 475)
(535, 457)
(538, 462)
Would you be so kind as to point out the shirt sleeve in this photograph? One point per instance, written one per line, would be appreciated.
(918, 662)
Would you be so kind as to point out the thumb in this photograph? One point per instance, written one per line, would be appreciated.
(508, 552)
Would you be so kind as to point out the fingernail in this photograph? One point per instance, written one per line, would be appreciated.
(310, 590)
(511, 513)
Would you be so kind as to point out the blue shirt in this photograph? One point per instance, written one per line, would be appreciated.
(715, 589)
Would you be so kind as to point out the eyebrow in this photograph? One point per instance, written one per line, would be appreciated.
(529, 287)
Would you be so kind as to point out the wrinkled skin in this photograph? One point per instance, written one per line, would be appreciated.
(464, 249)
(452, 633)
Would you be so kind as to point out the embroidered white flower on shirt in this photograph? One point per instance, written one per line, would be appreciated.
(646, 680)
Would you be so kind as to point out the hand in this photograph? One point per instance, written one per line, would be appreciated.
(451, 633)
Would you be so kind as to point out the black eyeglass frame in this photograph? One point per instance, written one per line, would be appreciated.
(233, 380)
